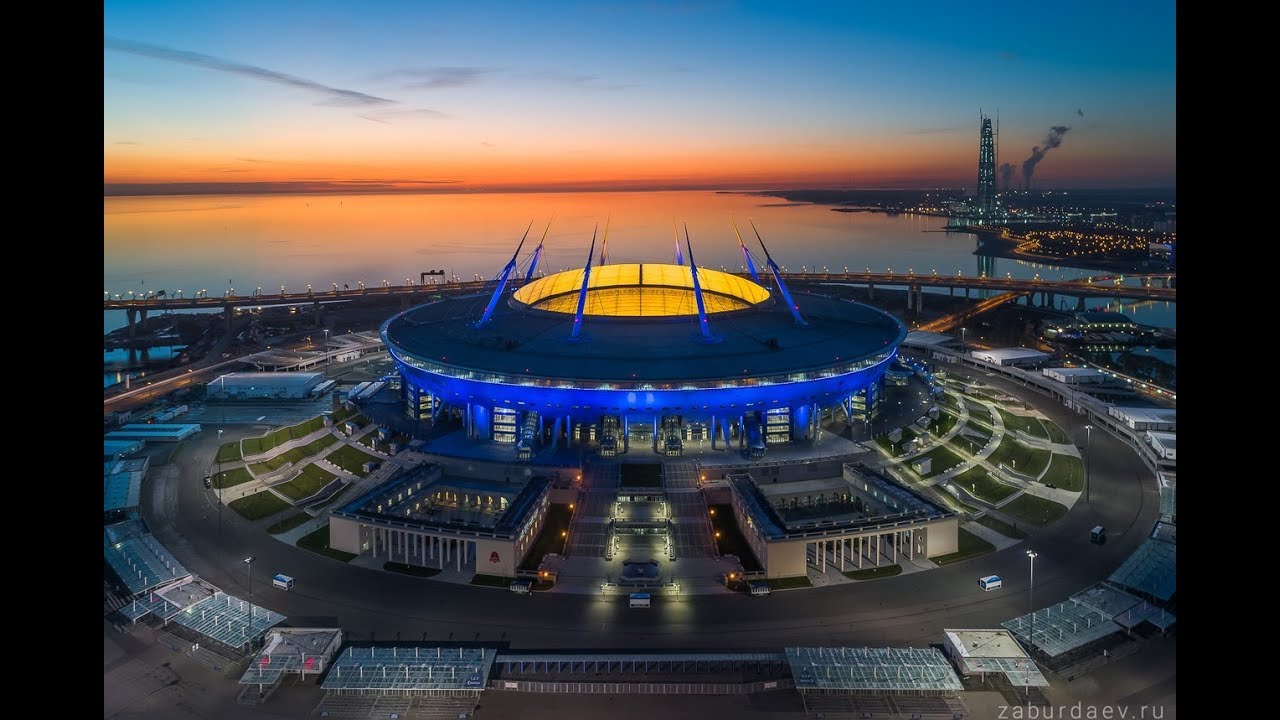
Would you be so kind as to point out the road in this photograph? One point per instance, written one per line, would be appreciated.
(906, 610)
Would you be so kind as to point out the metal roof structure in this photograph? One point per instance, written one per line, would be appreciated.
(410, 669)
(121, 491)
(871, 669)
(994, 651)
(1151, 569)
(1062, 627)
(294, 651)
(137, 558)
(1106, 599)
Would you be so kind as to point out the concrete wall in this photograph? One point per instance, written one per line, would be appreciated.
(346, 535)
(563, 496)
(507, 560)
(943, 537)
(786, 559)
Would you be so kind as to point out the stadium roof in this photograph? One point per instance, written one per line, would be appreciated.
(519, 346)
(994, 651)
(641, 290)
(871, 669)
(291, 651)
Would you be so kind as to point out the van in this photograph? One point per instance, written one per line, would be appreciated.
(284, 582)
(990, 582)
(640, 600)
(1098, 535)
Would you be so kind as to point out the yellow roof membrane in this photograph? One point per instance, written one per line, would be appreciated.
(641, 290)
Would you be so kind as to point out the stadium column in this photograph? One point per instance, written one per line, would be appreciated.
(713, 432)
(655, 433)
(440, 551)
(742, 431)
(626, 435)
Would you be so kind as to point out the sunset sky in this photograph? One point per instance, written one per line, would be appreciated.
(650, 94)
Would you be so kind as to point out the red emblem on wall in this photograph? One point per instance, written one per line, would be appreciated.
(493, 556)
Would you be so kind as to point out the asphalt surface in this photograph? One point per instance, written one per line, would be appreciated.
(908, 610)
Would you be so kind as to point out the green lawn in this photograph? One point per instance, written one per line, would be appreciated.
(1066, 472)
(970, 546)
(731, 540)
(943, 424)
(415, 570)
(1056, 434)
(312, 479)
(873, 573)
(318, 542)
(228, 452)
(333, 498)
(357, 419)
(907, 436)
(351, 459)
(1035, 510)
(979, 482)
(789, 583)
(288, 523)
(492, 581)
(258, 505)
(943, 459)
(341, 414)
(1028, 425)
(1021, 458)
(1001, 527)
(551, 538)
(295, 455)
(256, 445)
(231, 478)
(979, 412)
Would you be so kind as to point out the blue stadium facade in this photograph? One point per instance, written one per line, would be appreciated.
(631, 356)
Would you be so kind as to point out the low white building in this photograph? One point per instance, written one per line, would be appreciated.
(264, 385)
(1141, 418)
(1011, 356)
(1074, 375)
(1164, 443)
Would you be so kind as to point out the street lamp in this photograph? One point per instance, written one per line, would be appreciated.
(1031, 554)
(1088, 458)
(218, 479)
(249, 562)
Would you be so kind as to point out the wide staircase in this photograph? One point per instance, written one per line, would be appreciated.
(690, 522)
(590, 523)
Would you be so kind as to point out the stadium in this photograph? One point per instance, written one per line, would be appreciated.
(641, 357)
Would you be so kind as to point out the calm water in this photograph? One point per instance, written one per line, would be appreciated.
(245, 242)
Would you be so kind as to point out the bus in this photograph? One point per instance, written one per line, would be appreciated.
(990, 582)
(284, 582)
(640, 600)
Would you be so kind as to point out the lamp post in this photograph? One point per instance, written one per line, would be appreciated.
(326, 353)
(249, 562)
(1088, 458)
(1031, 589)
(218, 479)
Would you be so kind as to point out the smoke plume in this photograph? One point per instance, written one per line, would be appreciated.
(1051, 141)
(1006, 176)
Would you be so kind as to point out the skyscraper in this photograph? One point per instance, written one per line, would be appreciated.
(986, 198)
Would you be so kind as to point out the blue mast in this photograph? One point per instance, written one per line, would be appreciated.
(502, 281)
(777, 276)
(697, 292)
(676, 234)
(746, 254)
(582, 294)
(537, 253)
